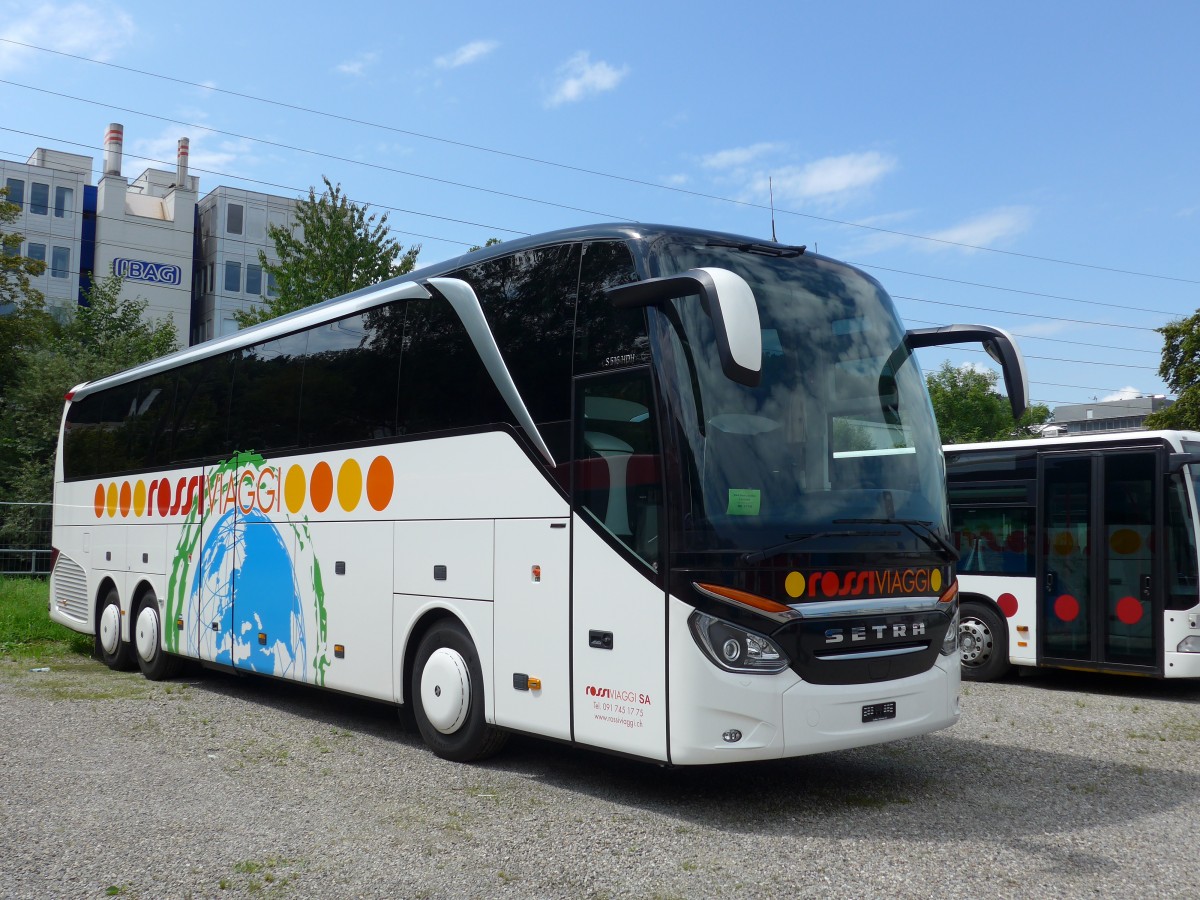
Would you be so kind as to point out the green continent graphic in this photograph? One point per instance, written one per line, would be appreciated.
(220, 545)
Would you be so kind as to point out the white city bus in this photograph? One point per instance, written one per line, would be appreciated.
(1078, 553)
(668, 493)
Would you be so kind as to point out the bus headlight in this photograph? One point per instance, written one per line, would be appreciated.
(1190, 644)
(950, 641)
(733, 648)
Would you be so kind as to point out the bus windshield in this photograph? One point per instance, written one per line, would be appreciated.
(838, 436)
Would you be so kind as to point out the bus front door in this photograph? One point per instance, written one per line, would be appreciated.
(618, 613)
(1098, 597)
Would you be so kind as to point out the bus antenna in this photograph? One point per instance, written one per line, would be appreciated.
(771, 187)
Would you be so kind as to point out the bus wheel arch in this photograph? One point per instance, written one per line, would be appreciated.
(446, 690)
(148, 638)
(110, 647)
(982, 638)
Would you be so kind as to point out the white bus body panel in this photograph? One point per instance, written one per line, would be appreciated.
(532, 625)
(1023, 625)
(620, 693)
(459, 551)
(1181, 624)
(782, 716)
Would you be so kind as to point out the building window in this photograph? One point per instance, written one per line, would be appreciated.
(39, 198)
(233, 276)
(272, 286)
(233, 219)
(16, 191)
(60, 262)
(64, 202)
(37, 251)
(253, 279)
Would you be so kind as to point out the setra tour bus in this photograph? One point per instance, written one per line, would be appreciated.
(1078, 553)
(663, 492)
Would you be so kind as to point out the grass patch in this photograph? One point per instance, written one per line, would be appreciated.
(25, 627)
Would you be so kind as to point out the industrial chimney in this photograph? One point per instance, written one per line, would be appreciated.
(181, 163)
(114, 141)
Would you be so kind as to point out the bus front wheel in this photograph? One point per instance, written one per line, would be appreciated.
(155, 663)
(983, 640)
(447, 696)
(113, 651)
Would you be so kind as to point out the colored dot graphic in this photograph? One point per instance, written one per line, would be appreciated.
(1008, 604)
(319, 490)
(794, 584)
(1066, 608)
(1129, 610)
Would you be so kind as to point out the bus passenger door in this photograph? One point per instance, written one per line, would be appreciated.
(618, 614)
(1098, 596)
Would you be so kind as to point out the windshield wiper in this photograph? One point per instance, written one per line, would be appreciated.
(923, 530)
(790, 540)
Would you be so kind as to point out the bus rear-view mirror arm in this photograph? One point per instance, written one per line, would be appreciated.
(462, 299)
(729, 301)
(999, 346)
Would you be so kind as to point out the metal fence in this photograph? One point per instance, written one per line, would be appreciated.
(25, 538)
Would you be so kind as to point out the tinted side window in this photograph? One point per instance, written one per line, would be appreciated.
(607, 337)
(201, 417)
(96, 441)
(151, 429)
(350, 378)
(443, 382)
(265, 410)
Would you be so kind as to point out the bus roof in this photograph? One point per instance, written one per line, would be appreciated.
(384, 292)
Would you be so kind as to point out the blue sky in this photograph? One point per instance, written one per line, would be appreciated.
(1027, 165)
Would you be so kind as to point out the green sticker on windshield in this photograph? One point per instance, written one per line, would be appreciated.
(744, 502)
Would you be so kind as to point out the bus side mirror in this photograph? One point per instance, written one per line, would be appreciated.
(1176, 461)
(999, 346)
(726, 297)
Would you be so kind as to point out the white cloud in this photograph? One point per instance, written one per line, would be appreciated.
(676, 180)
(466, 54)
(210, 155)
(94, 30)
(738, 156)
(357, 65)
(985, 229)
(823, 178)
(579, 77)
(1125, 393)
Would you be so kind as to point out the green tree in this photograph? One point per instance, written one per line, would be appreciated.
(969, 409)
(340, 250)
(1180, 369)
(106, 336)
(15, 269)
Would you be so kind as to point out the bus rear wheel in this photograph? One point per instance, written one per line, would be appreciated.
(155, 663)
(113, 651)
(983, 640)
(447, 696)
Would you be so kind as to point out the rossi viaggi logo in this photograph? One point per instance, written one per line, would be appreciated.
(863, 583)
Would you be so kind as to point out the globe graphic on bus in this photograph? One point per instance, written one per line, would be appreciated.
(247, 584)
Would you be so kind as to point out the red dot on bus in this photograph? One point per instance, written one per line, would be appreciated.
(829, 584)
(1129, 610)
(1066, 608)
(99, 501)
(1007, 604)
(126, 498)
(380, 482)
(320, 486)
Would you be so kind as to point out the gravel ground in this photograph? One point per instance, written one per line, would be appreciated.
(1056, 785)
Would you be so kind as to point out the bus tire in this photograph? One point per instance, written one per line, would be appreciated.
(110, 649)
(447, 688)
(983, 641)
(155, 663)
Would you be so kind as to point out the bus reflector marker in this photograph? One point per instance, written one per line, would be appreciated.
(262, 638)
(179, 624)
(535, 684)
(339, 651)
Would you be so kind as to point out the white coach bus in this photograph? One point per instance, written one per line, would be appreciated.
(1078, 553)
(663, 492)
